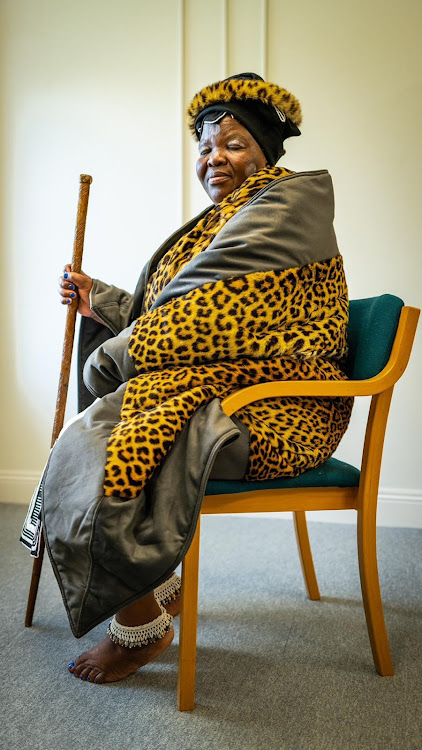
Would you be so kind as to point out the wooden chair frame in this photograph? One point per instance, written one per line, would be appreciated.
(363, 499)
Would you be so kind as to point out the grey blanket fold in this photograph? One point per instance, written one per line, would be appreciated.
(107, 552)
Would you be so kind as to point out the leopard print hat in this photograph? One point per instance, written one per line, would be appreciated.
(270, 113)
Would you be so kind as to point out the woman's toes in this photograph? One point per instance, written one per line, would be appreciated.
(100, 677)
(85, 673)
(78, 669)
(71, 666)
(92, 676)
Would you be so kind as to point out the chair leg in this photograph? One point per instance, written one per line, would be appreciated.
(305, 555)
(35, 580)
(188, 626)
(371, 594)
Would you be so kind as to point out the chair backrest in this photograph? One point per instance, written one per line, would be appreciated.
(372, 327)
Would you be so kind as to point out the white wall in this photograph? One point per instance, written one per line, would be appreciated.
(101, 87)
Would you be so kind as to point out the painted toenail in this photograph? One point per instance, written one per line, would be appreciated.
(81, 677)
(88, 679)
(72, 664)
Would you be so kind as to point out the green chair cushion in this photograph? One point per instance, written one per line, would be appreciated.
(333, 473)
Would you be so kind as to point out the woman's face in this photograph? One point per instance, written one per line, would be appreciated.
(228, 154)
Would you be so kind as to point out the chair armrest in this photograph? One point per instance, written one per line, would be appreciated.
(322, 388)
(393, 370)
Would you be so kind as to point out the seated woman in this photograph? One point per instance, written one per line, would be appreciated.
(252, 290)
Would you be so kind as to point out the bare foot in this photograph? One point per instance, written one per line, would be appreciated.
(109, 662)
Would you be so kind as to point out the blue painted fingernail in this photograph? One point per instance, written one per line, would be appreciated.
(65, 275)
(72, 295)
(68, 301)
(72, 664)
(71, 286)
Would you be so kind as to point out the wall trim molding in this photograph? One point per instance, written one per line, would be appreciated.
(396, 507)
(265, 22)
(401, 508)
(18, 486)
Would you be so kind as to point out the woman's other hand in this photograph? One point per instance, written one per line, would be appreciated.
(74, 289)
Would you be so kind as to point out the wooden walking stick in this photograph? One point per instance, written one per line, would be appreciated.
(78, 246)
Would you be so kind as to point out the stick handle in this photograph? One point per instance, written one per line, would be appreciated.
(78, 246)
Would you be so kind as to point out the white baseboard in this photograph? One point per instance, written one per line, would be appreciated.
(396, 507)
(18, 486)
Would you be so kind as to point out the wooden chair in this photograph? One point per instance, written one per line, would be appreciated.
(381, 332)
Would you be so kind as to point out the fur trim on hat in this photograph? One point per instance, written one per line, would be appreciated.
(241, 89)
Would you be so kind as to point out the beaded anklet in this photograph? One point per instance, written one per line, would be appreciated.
(168, 590)
(140, 635)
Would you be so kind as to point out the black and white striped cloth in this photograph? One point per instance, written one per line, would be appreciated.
(31, 532)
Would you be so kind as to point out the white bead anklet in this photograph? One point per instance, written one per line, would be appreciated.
(140, 635)
(168, 590)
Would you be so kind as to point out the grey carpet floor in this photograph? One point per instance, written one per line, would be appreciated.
(275, 670)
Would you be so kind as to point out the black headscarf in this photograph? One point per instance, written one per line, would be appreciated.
(253, 106)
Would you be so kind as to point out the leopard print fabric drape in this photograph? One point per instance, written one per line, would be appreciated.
(227, 335)
(203, 233)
